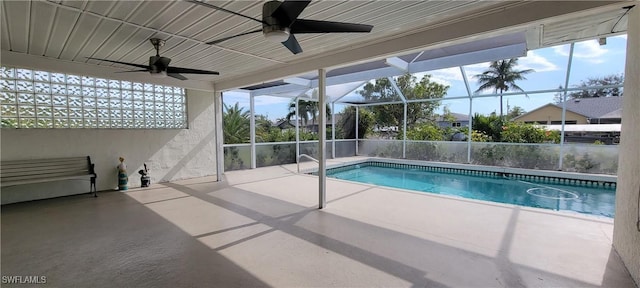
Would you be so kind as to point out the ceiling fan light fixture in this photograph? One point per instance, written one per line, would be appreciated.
(277, 36)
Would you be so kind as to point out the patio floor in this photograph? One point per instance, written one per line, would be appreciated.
(261, 228)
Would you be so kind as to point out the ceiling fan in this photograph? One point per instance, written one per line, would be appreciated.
(159, 66)
(280, 23)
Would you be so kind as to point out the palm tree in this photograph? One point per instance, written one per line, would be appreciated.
(303, 110)
(235, 123)
(501, 77)
(306, 110)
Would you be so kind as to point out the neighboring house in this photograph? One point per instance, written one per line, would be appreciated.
(581, 115)
(460, 120)
(588, 133)
(596, 110)
(313, 128)
(285, 124)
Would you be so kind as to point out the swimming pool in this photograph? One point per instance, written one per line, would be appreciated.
(595, 199)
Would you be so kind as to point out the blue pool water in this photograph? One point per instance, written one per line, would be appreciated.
(587, 200)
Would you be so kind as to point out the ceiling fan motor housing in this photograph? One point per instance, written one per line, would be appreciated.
(272, 28)
(158, 64)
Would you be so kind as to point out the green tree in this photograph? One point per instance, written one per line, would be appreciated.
(613, 79)
(347, 127)
(489, 125)
(425, 131)
(518, 132)
(515, 112)
(391, 115)
(235, 123)
(265, 132)
(501, 77)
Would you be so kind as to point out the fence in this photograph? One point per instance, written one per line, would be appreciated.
(238, 156)
(582, 158)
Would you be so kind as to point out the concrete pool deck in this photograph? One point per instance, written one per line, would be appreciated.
(261, 228)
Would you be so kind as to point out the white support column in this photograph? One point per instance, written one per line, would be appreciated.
(404, 119)
(469, 140)
(297, 132)
(564, 106)
(404, 132)
(626, 225)
(252, 131)
(322, 136)
(333, 131)
(219, 135)
(357, 126)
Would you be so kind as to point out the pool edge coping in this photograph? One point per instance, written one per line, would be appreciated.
(600, 178)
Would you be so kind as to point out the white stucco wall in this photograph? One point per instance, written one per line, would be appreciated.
(626, 235)
(170, 154)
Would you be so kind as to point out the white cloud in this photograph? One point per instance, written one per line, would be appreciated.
(441, 81)
(536, 62)
(475, 69)
(445, 76)
(589, 51)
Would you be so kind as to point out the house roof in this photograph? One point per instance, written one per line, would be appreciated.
(595, 107)
(612, 115)
(459, 117)
(541, 107)
(283, 122)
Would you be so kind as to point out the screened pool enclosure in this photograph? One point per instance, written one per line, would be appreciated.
(453, 113)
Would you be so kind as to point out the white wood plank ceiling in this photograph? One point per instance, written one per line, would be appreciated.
(70, 31)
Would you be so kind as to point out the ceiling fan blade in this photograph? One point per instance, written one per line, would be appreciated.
(124, 63)
(177, 76)
(142, 70)
(234, 36)
(317, 26)
(222, 9)
(289, 11)
(176, 70)
(292, 44)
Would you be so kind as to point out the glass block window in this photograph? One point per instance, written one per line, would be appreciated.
(40, 99)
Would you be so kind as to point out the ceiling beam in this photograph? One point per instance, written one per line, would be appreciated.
(397, 63)
(510, 17)
(492, 54)
(298, 81)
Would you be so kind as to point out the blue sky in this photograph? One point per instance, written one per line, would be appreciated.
(590, 60)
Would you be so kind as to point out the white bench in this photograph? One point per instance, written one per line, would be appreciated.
(20, 172)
